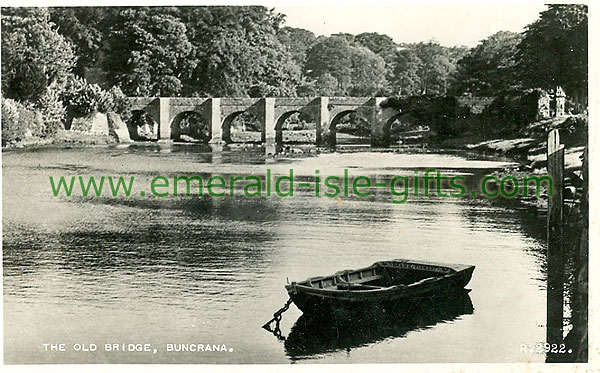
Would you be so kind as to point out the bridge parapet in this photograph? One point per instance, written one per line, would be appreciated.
(351, 101)
(139, 103)
(187, 101)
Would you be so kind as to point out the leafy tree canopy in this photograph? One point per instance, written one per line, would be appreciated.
(297, 42)
(554, 50)
(488, 68)
(34, 54)
(148, 53)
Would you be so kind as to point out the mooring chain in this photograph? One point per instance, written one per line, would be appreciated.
(277, 318)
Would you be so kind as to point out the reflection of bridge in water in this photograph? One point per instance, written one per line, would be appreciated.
(272, 113)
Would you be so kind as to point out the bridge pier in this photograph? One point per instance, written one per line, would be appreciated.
(322, 119)
(379, 117)
(216, 127)
(268, 121)
(164, 123)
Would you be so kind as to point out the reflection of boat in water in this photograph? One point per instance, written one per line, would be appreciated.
(313, 335)
(378, 284)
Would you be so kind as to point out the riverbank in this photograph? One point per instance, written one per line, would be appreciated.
(528, 146)
(62, 137)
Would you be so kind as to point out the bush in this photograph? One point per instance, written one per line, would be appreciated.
(53, 112)
(83, 98)
(512, 111)
(120, 105)
(19, 122)
(105, 100)
(80, 97)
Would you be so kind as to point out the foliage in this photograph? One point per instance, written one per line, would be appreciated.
(34, 54)
(82, 27)
(511, 112)
(52, 110)
(120, 105)
(237, 52)
(354, 124)
(435, 67)
(193, 125)
(148, 53)
(489, 67)
(326, 85)
(554, 50)
(19, 121)
(333, 56)
(297, 42)
(355, 70)
(368, 73)
(83, 98)
(406, 73)
(382, 45)
(425, 68)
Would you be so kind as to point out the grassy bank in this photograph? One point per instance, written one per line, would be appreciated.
(62, 137)
(528, 145)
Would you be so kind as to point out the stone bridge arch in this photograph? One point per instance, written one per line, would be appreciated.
(409, 128)
(148, 105)
(231, 108)
(179, 107)
(369, 108)
(285, 107)
(197, 126)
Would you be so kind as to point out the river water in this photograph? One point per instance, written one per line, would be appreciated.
(205, 270)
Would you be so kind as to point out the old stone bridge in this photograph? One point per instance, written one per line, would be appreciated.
(219, 113)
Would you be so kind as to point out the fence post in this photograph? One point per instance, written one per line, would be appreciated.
(555, 255)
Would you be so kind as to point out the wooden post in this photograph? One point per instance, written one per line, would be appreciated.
(555, 259)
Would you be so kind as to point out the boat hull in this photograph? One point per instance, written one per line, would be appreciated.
(447, 279)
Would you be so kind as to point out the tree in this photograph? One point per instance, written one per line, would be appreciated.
(382, 45)
(425, 68)
(357, 70)
(368, 73)
(83, 28)
(34, 54)
(331, 55)
(406, 79)
(327, 85)
(489, 68)
(236, 52)
(147, 53)
(435, 69)
(554, 50)
(297, 42)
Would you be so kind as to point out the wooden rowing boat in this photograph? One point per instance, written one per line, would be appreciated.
(380, 283)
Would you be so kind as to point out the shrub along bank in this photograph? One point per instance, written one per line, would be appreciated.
(93, 116)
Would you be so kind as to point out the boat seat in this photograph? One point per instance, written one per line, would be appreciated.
(354, 286)
(339, 278)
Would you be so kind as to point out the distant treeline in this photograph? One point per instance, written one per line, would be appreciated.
(247, 51)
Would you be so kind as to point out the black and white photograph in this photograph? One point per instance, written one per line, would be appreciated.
(282, 184)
